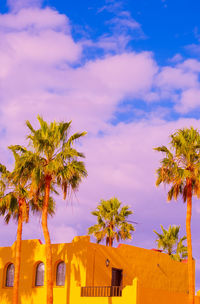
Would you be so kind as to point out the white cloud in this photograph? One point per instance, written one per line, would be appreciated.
(109, 43)
(42, 47)
(16, 5)
(93, 90)
(126, 22)
(192, 65)
(123, 74)
(31, 37)
(34, 18)
(111, 6)
(190, 99)
(179, 84)
(176, 58)
(193, 48)
(175, 78)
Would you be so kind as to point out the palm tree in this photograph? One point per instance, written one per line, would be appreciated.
(169, 242)
(180, 168)
(112, 223)
(52, 162)
(14, 204)
(181, 250)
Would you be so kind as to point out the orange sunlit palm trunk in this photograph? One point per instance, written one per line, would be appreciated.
(189, 245)
(17, 257)
(49, 277)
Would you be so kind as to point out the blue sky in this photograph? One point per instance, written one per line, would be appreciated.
(127, 72)
(167, 26)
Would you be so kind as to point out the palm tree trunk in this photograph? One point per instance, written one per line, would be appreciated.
(110, 241)
(49, 277)
(17, 257)
(189, 245)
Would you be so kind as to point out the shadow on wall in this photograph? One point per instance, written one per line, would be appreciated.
(74, 256)
(27, 271)
(99, 273)
(7, 256)
(109, 300)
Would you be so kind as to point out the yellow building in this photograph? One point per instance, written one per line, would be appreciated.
(88, 273)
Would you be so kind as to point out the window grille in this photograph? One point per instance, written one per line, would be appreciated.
(101, 291)
(10, 275)
(39, 277)
(60, 274)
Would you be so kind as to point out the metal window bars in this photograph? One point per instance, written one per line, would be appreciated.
(101, 291)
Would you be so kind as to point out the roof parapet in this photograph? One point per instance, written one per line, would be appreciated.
(83, 238)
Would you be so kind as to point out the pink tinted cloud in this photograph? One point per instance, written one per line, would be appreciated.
(42, 47)
(126, 74)
(190, 99)
(179, 84)
(108, 43)
(34, 19)
(16, 5)
(93, 90)
(126, 22)
(190, 65)
(32, 35)
(176, 58)
(175, 78)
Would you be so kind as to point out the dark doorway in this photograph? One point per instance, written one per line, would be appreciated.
(116, 277)
(116, 282)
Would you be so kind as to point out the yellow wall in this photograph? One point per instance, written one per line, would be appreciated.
(153, 269)
(148, 276)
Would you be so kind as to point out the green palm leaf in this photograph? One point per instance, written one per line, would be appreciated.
(112, 223)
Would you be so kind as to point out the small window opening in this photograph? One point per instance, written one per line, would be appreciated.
(60, 274)
(39, 278)
(10, 275)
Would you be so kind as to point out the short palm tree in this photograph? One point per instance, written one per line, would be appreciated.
(52, 162)
(180, 168)
(112, 223)
(169, 242)
(181, 250)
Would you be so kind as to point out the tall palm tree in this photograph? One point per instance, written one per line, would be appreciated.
(180, 168)
(14, 204)
(112, 223)
(52, 162)
(170, 243)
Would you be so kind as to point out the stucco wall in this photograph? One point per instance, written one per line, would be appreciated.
(153, 269)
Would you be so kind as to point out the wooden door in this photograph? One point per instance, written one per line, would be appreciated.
(116, 283)
(116, 277)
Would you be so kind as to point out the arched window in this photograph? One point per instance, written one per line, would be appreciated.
(10, 275)
(39, 276)
(60, 274)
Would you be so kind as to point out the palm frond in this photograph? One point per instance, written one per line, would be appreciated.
(112, 222)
